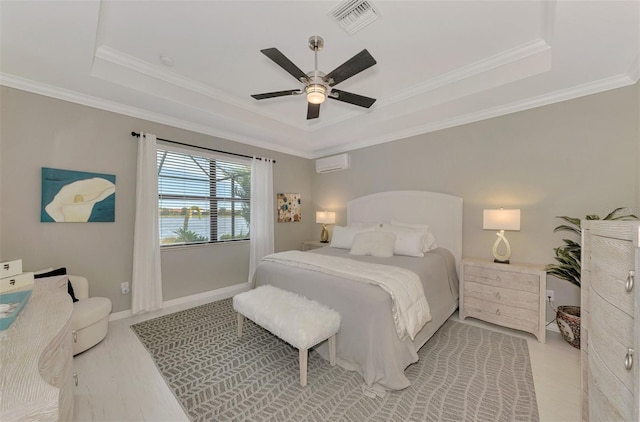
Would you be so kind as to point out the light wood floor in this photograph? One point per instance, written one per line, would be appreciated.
(118, 381)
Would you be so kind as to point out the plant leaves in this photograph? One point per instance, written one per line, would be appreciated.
(568, 256)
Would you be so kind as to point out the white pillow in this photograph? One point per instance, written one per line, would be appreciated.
(409, 242)
(429, 239)
(375, 243)
(342, 237)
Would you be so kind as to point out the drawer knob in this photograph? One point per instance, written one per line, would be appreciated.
(497, 295)
(75, 336)
(628, 286)
(628, 359)
(75, 378)
(497, 311)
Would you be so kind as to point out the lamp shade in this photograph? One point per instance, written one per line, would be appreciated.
(325, 217)
(501, 219)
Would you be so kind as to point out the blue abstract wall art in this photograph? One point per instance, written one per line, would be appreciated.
(77, 196)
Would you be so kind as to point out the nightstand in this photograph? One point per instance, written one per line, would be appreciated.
(510, 295)
(307, 245)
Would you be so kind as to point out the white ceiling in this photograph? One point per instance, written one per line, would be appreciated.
(440, 63)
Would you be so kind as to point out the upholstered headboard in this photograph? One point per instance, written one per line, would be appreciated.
(443, 214)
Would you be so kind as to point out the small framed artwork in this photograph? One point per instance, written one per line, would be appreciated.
(289, 207)
(77, 197)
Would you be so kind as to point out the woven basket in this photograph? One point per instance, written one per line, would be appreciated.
(568, 319)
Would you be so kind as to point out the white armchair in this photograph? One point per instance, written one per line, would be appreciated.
(90, 318)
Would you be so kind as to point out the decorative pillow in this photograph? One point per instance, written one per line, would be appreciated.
(375, 243)
(59, 271)
(50, 272)
(409, 242)
(429, 239)
(342, 236)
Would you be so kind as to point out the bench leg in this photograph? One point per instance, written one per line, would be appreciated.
(332, 350)
(240, 322)
(304, 353)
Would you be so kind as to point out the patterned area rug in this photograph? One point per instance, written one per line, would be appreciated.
(465, 373)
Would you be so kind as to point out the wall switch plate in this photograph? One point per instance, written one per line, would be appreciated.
(124, 288)
(550, 296)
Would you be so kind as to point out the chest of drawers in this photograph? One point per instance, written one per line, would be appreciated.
(509, 295)
(610, 332)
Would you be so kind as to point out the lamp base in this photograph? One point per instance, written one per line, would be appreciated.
(324, 234)
(501, 258)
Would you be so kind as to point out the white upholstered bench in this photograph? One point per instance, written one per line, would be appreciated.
(301, 322)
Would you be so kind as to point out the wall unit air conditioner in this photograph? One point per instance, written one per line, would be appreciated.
(333, 163)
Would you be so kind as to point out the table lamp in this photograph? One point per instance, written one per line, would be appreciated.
(501, 220)
(324, 218)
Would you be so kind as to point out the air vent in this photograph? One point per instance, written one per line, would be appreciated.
(353, 15)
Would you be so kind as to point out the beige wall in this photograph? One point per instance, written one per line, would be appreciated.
(38, 131)
(573, 158)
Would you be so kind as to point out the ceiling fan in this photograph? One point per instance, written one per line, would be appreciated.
(317, 85)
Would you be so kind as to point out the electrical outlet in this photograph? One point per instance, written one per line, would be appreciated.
(124, 288)
(550, 296)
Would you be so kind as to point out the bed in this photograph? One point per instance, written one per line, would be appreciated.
(368, 341)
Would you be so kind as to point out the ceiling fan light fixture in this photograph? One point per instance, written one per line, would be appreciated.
(316, 93)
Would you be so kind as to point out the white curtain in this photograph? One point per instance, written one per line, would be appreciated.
(146, 281)
(262, 212)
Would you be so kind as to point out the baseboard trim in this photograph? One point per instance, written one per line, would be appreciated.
(211, 296)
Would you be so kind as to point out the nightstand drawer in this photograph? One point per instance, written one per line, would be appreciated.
(504, 315)
(502, 278)
(502, 296)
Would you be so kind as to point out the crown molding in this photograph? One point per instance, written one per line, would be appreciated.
(133, 64)
(90, 101)
(555, 97)
(16, 82)
(490, 63)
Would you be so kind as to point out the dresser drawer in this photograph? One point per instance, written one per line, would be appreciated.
(608, 274)
(502, 278)
(505, 315)
(611, 335)
(16, 282)
(609, 399)
(502, 296)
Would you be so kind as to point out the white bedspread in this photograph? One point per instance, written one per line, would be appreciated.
(410, 306)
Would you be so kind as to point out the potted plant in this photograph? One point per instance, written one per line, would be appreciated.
(568, 268)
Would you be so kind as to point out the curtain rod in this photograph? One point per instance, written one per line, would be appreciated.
(137, 135)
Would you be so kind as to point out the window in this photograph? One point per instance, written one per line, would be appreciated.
(202, 198)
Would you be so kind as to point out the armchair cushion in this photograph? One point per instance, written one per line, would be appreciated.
(80, 286)
(89, 311)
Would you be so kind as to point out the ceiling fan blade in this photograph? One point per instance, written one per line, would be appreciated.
(361, 61)
(348, 97)
(313, 111)
(276, 94)
(282, 61)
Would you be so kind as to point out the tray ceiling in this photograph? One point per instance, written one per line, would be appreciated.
(439, 63)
